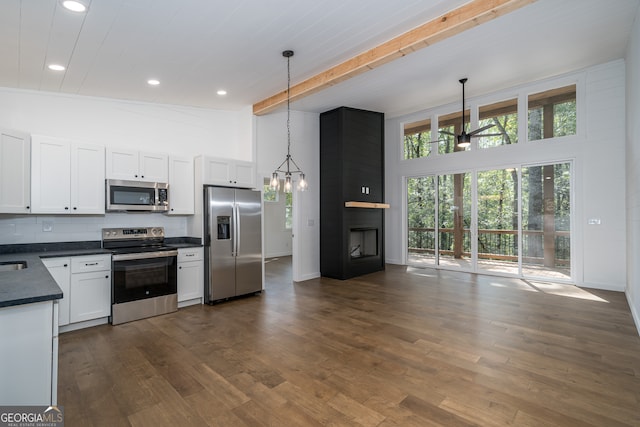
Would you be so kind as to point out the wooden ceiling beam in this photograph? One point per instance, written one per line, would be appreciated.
(470, 15)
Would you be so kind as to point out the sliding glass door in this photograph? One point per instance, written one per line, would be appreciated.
(546, 221)
(498, 221)
(521, 221)
(421, 202)
(454, 220)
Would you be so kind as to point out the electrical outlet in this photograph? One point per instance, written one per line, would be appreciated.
(47, 226)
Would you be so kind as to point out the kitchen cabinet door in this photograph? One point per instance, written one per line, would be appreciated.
(153, 167)
(15, 172)
(132, 165)
(50, 175)
(29, 355)
(190, 274)
(230, 173)
(66, 177)
(90, 296)
(60, 270)
(181, 186)
(244, 174)
(87, 179)
(122, 164)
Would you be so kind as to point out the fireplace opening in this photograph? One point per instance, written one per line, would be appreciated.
(363, 242)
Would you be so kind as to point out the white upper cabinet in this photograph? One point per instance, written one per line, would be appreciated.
(230, 173)
(137, 165)
(181, 186)
(15, 172)
(66, 177)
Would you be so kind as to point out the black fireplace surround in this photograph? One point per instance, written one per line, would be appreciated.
(351, 169)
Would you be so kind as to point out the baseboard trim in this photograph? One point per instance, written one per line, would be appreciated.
(634, 314)
(308, 276)
(277, 254)
(601, 286)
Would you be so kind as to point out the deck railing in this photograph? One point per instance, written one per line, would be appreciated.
(493, 244)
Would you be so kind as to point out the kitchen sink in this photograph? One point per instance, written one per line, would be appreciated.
(12, 265)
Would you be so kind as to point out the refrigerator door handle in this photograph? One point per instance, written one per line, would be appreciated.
(236, 220)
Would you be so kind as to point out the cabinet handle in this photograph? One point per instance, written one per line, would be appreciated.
(28, 207)
(66, 208)
(180, 268)
(136, 176)
(106, 277)
(75, 208)
(65, 265)
(141, 176)
(87, 264)
(190, 255)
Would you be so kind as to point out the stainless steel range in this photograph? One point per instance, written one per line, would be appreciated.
(144, 273)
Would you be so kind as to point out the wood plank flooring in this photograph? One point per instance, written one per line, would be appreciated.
(403, 347)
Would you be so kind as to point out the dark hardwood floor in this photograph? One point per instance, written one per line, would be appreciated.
(403, 347)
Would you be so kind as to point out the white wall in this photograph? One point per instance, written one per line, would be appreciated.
(154, 127)
(170, 129)
(271, 149)
(633, 171)
(597, 152)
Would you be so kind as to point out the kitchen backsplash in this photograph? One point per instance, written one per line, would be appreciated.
(16, 229)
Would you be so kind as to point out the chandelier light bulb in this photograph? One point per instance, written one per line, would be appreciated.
(287, 184)
(275, 182)
(302, 185)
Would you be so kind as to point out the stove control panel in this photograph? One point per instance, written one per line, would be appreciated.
(138, 233)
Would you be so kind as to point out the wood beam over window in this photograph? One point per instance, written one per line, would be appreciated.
(448, 25)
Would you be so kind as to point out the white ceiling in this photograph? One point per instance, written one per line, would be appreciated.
(195, 47)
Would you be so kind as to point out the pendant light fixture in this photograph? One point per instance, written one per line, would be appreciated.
(288, 161)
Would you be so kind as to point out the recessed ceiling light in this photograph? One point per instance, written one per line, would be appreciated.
(153, 82)
(56, 67)
(221, 92)
(74, 6)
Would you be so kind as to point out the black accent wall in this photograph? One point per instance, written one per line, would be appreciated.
(351, 169)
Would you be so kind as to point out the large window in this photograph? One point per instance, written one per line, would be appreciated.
(454, 219)
(521, 224)
(504, 118)
(546, 225)
(421, 201)
(417, 139)
(498, 220)
(288, 211)
(268, 193)
(552, 113)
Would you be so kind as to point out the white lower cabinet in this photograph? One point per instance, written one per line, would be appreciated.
(60, 269)
(190, 276)
(86, 286)
(29, 354)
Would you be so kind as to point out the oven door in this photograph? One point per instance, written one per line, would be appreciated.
(138, 276)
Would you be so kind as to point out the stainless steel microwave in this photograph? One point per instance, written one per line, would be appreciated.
(136, 196)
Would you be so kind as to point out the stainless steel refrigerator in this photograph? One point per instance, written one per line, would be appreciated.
(233, 242)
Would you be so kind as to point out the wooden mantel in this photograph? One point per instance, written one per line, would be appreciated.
(368, 205)
(465, 17)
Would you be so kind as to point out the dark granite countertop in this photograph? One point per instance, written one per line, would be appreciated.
(183, 242)
(34, 283)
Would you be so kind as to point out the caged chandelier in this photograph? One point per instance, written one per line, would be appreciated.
(288, 161)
